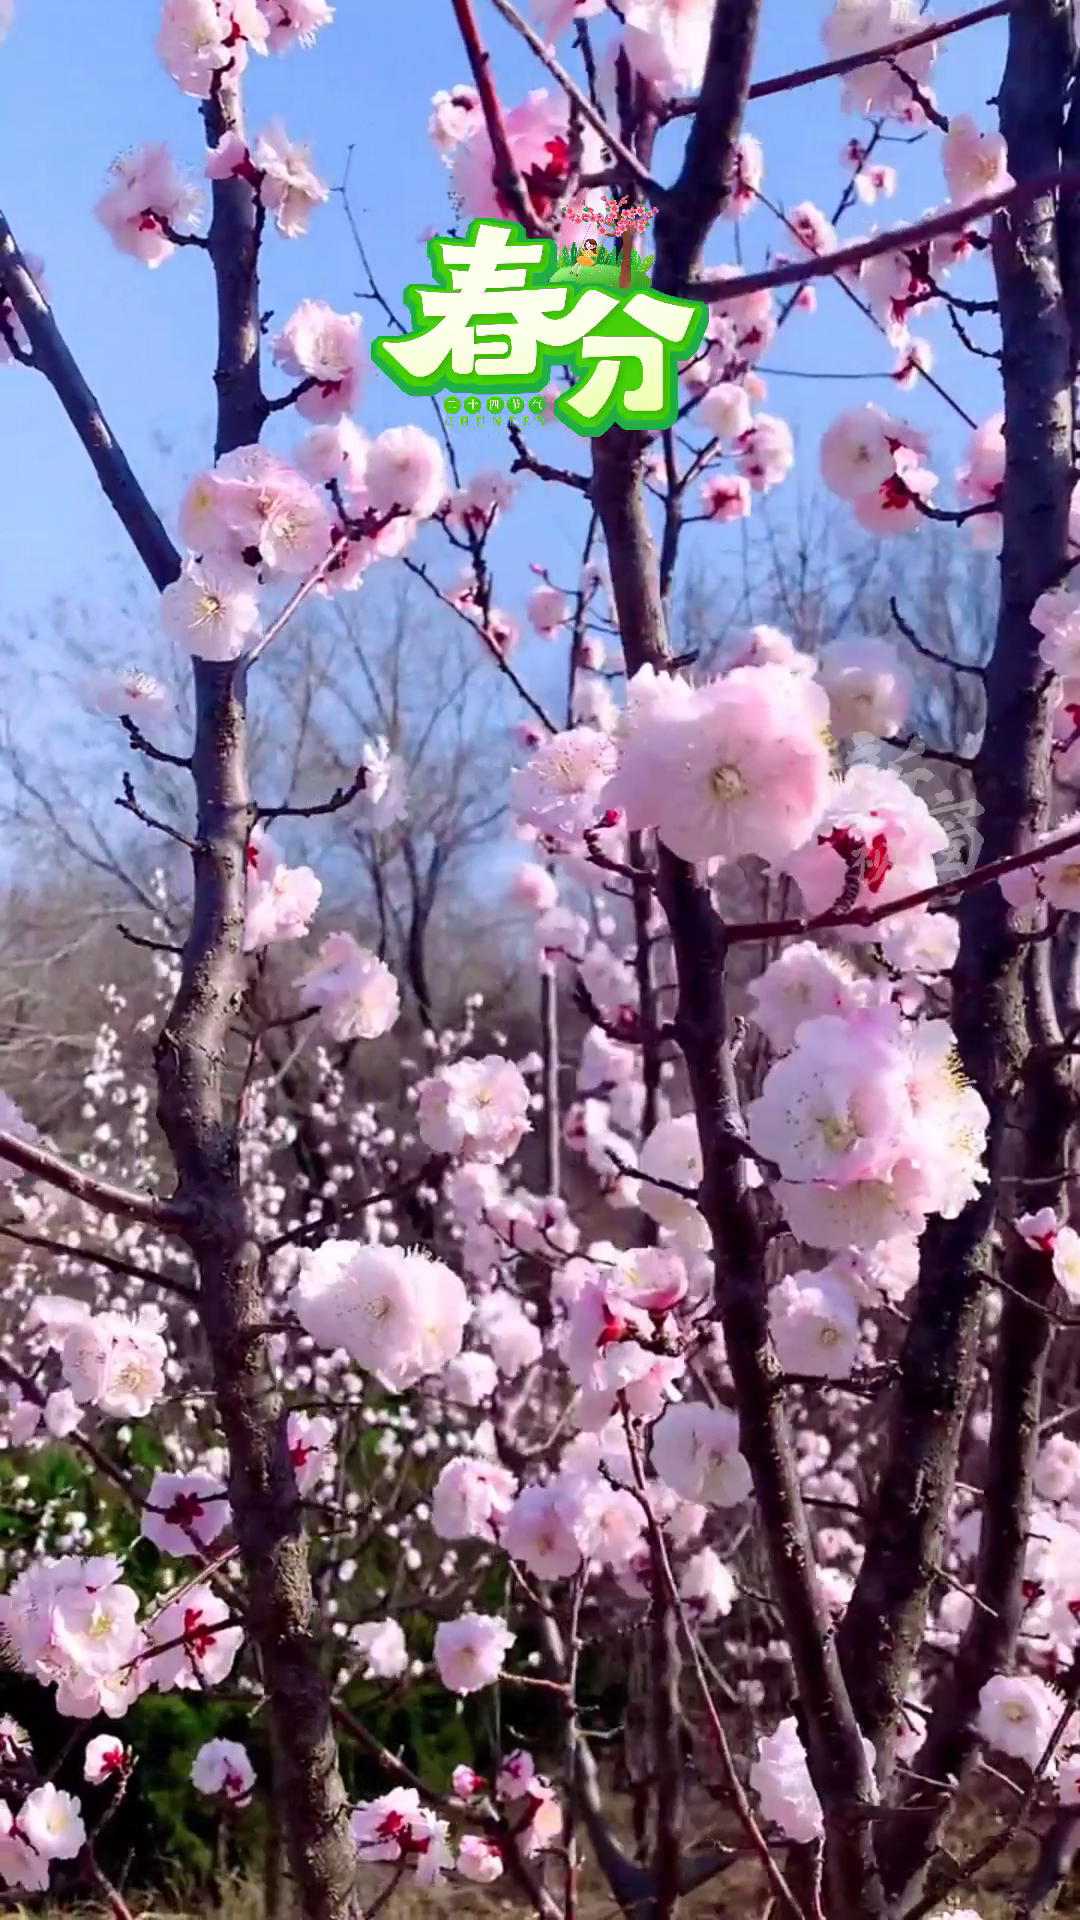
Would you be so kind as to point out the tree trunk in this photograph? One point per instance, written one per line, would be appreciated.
(626, 259)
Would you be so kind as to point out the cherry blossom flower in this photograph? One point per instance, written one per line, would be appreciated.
(538, 137)
(476, 1107)
(479, 1859)
(106, 1758)
(210, 611)
(132, 693)
(1057, 1468)
(309, 1438)
(814, 1325)
(667, 41)
(724, 410)
(323, 346)
(281, 901)
(198, 39)
(695, 1451)
(355, 992)
(223, 1769)
(974, 162)
(455, 114)
(470, 1651)
(190, 1645)
(406, 471)
(858, 450)
(382, 1643)
(289, 189)
(184, 1511)
(671, 1157)
(781, 1780)
(146, 197)
(738, 766)
(875, 818)
(472, 1498)
(399, 1315)
(765, 452)
(876, 88)
(51, 1822)
(396, 1827)
(870, 690)
(294, 22)
(725, 496)
(803, 982)
(536, 1533)
(116, 1363)
(1017, 1715)
(707, 1587)
(548, 610)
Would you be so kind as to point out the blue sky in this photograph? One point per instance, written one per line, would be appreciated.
(75, 92)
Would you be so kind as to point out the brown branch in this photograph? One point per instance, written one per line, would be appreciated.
(341, 797)
(894, 240)
(98, 1194)
(509, 180)
(53, 358)
(141, 744)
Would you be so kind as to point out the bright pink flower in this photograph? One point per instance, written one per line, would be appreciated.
(538, 135)
(318, 344)
(725, 496)
(147, 195)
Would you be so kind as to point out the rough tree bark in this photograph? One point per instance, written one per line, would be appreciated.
(201, 1127)
(884, 1622)
(837, 1760)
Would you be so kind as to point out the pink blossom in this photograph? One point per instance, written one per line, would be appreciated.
(294, 22)
(560, 790)
(765, 452)
(974, 162)
(724, 410)
(289, 188)
(210, 611)
(397, 1827)
(803, 982)
(200, 38)
(184, 1512)
(132, 692)
(737, 766)
(472, 1498)
(105, 1758)
(281, 901)
(814, 1324)
(228, 158)
(466, 1782)
(534, 887)
(309, 1437)
(747, 174)
(667, 41)
(476, 506)
(812, 230)
(334, 452)
(479, 1859)
(478, 1108)
(355, 992)
(382, 1644)
(725, 497)
(469, 1651)
(320, 345)
(406, 472)
(401, 1315)
(706, 1586)
(538, 135)
(869, 688)
(223, 1769)
(695, 1452)
(51, 1822)
(454, 116)
(980, 480)
(1017, 1715)
(147, 196)
(536, 1533)
(781, 1780)
(548, 610)
(857, 452)
(894, 507)
(871, 181)
(116, 1362)
(876, 88)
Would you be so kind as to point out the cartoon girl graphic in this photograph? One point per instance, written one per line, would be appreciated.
(586, 255)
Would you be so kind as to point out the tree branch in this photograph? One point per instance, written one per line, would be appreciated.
(98, 1194)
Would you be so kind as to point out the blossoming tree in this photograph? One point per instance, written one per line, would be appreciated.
(824, 1321)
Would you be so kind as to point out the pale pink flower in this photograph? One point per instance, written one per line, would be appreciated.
(872, 815)
(548, 610)
(479, 1108)
(289, 189)
(454, 115)
(738, 766)
(184, 1512)
(814, 1325)
(471, 1379)
(116, 1363)
(479, 1859)
(553, 17)
(874, 180)
(51, 1822)
(132, 693)
(470, 1651)
(397, 1827)
(781, 1780)
(837, 1108)
(765, 452)
(561, 789)
(811, 228)
(695, 1452)
(921, 943)
(309, 1437)
(405, 471)
(334, 452)
(672, 1154)
(355, 992)
(146, 196)
(747, 174)
(1066, 1262)
(1057, 1468)
(466, 1782)
(223, 1769)
(1017, 1715)
(476, 506)
(533, 886)
(227, 159)
(190, 1645)
(281, 901)
(536, 1533)
(667, 41)
(382, 1643)
(706, 1586)
(501, 1321)
(320, 345)
(875, 88)
(974, 162)
(857, 454)
(725, 497)
(383, 800)
(294, 22)
(200, 38)
(106, 1758)
(724, 410)
(803, 982)
(263, 503)
(870, 690)
(209, 611)
(980, 480)
(894, 507)
(472, 1498)
(94, 1629)
(400, 1315)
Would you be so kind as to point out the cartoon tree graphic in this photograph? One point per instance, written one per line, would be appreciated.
(616, 220)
